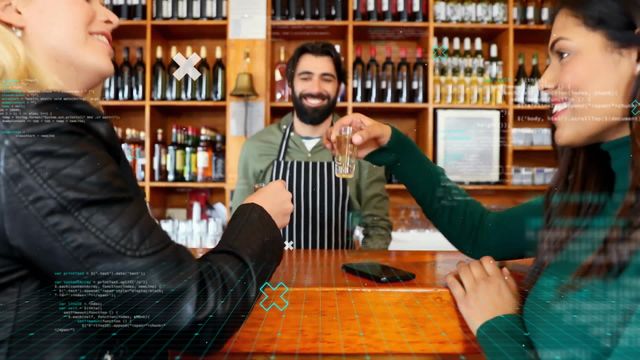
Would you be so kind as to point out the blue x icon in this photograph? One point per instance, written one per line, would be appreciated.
(440, 53)
(273, 303)
(635, 105)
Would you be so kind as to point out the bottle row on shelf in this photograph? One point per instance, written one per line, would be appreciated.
(308, 9)
(189, 157)
(532, 175)
(527, 90)
(127, 81)
(390, 10)
(209, 85)
(532, 12)
(132, 142)
(189, 9)
(531, 137)
(471, 11)
(128, 9)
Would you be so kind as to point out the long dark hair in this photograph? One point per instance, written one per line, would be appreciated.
(587, 170)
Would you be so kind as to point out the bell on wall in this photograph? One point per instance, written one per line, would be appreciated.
(244, 88)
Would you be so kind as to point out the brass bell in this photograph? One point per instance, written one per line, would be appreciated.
(244, 86)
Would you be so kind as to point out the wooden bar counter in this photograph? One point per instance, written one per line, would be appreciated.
(338, 315)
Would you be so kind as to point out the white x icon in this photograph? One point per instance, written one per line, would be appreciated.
(187, 66)
(288, 245)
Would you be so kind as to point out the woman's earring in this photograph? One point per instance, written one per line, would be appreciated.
(17, 31)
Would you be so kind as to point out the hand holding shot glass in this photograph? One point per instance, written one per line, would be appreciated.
(345, 153)
(365, 134)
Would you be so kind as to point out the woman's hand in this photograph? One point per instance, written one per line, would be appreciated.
(368, 135)
(483, 291)
(276, 200)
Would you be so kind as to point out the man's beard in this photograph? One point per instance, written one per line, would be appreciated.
(317, 115)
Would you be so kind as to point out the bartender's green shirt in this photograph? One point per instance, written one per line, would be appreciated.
(368, 196)
(599, 319)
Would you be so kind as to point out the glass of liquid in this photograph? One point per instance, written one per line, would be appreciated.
(345, 154)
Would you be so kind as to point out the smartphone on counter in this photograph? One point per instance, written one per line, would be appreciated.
(378, 272)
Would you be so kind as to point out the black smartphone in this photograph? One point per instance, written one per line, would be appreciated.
(378, 272)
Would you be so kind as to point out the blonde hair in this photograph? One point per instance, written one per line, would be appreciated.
(21, 71)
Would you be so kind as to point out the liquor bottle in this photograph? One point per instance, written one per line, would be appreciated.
(372, 84)
(417, 11)
(221, 9)
(545, 97)
(280, 78)
(277, 10)
(419, 78)
(156, 14)
(172, 156)
(190, 87)
(468, 58)
(293, 11)
(322, 10)
(532, 12)
(190, 155)
(357, 10)
(447, 87)
(138, 76)
(180, 155)
(499, 86)
(308, 12)
(209, 9)
(387, 79)
(204, 88)
(440, 11)
(387, 13)
(545, 12)
(219, 162)
(111, 83)
(182, 9)
(499, 12)
(403, 10)
(473, 89)
(125, 87)
(487, 89)
(159, 77)
(124, 9)
(459, 89)
(342, 93)
(140, 157)
(493, 62)
(128, 148)
(139, 9)
(453, 14)
(372, 10)
(358, 77)
(159, 157)
(204, 157)
(196, 9)
(338, 16)
(437, 88)
(519, 12)
(484, 12)
(521, 82)
(402, 78)
(478, 58)
(469, 11)
(174, 86)
(533, 92)
(168, 9)
(446, 62)
(456, 57)
(219, 77)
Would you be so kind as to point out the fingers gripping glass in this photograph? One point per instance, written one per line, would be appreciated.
(345, 154)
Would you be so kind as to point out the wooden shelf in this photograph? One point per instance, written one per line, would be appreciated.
(189, 29)
(405, 24)
(532, 148)
(118, 103)
(132, 23)
(390, 106)
(306, 23)
(188, 185)
(472, 26)
(199, 104)
(532, 27)
(195, 23)
(471, 107)
(532, 107)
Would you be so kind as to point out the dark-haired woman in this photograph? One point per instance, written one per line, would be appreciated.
(584, 289)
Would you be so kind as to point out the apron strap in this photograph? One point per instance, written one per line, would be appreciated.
(284, 143)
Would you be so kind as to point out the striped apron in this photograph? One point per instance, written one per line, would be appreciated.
(320, 199)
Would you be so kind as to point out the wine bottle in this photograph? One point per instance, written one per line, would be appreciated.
(205, 81)
(446, 62)
(533, 92)
(209, 11)
(280, 79)
(545, 97)
(532, 12)
(499, 86)
(447, 87)
(440, 11)
(159, 89)
(126, 73)
(204, 158)
(372, 83)
(403, 11)
(338, 9)
(459, 87)
(174, 9)
(111, 83)
(478, 56)
(487, 88)
(493, 61)
(182, 9)
(499, 13)
(277, 10)
(219, 162)
(387, 79)
(387, 13)
(419, 78)
(469, 11)
(138, 81)
(219, 77)
(190, 86)
(474, 88)
(140, 158)
(181, 154)
(159, 157)
(453, 14)
(521, 82)
(417, 11)
(172, 156)
(293, 11)
(372, 10)
(437, 88)
(196, 9)
(322, 9)
(190, 170)
(124, 9)
(402, 78)
(342, 93)
(358, 77)
(518, 12)
(221, 9)
(139, 9)
(545, 12)
(484, 12)
(174, 86)
(308, 12)
(456, 58)
(157, 9)
(167, 9)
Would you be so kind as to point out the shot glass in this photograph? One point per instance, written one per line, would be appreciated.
(345, 161)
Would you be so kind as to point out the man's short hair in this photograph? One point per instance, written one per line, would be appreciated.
(315, 49)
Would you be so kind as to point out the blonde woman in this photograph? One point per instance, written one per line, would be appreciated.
(72, 214)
